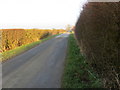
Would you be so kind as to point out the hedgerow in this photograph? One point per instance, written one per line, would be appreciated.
(12, 38)
(97, 32)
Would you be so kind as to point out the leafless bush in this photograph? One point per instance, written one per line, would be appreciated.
(97, 31)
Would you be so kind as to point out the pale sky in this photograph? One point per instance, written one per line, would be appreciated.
(39, 13)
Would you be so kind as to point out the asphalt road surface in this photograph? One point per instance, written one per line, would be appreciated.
(40, 67)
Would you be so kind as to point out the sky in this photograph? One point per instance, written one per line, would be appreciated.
(46, 14)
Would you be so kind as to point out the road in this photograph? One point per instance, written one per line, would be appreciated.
(40, 67)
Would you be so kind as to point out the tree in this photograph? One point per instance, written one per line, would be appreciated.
(68, 27)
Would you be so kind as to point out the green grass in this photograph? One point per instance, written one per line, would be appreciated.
(14, 52)
(77, 73)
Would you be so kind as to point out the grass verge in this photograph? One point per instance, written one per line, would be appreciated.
(77, 73)
(14, 52)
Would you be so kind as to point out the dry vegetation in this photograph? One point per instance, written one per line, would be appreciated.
(97, 32)
(12, 38)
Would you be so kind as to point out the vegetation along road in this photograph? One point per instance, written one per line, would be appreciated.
(40, 67)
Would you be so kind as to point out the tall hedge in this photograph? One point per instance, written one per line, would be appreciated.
(98, 35)
(12, 38)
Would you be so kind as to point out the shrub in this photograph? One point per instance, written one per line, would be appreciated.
(97, 32)
(12, 38)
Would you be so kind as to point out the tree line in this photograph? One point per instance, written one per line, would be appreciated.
(98, 35)
(12, 38)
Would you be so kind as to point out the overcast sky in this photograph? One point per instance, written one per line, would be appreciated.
(39, 13)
